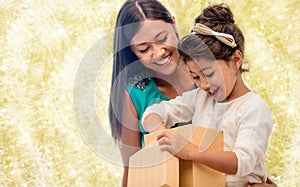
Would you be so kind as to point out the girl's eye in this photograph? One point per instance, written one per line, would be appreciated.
(196, 77)
(210, 75)
(144, 50)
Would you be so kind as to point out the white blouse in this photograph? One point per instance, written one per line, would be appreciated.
(246, 123)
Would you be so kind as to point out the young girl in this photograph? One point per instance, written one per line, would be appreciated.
(214, 53)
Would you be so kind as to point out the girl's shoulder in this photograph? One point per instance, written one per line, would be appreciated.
(253, 101)
(252, 96)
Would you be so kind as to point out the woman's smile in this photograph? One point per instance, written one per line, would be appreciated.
(164, 61)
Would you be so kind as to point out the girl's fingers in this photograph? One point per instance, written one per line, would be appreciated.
(165, 148)
(164, 144)
(162, 140)
(165, 134)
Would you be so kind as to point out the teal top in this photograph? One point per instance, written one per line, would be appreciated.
(143, 92)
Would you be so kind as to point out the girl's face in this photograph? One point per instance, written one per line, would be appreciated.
(155, 44)
(217, 77)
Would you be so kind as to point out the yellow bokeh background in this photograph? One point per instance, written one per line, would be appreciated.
(43, 44)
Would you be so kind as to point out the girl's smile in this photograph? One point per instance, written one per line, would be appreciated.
(219, 78)
(213, 93)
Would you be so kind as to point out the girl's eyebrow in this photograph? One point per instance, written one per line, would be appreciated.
(193, 72)
(201, 70)
(190, 69)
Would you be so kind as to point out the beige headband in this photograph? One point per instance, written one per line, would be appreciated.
(223, 37)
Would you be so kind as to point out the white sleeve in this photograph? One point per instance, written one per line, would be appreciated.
(180, 109)
(255, 126)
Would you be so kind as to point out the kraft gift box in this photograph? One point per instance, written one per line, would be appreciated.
(151, 167)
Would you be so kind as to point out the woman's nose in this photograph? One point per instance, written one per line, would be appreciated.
(158, 51)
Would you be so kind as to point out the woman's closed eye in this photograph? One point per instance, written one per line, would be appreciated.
(164, 39)
(144, 50)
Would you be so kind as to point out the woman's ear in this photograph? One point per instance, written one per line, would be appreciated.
(174, 20)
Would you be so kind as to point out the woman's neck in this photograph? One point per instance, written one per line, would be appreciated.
(175, 84)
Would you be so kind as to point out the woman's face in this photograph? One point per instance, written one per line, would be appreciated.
(217, 77)
(155, 44)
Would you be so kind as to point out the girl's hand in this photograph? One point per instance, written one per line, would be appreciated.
(176, 144)
(269, 183)
(261, 185)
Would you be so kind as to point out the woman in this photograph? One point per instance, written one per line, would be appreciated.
(146, 70)
(145, 30)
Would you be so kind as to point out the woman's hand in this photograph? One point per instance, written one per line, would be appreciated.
(176, 144)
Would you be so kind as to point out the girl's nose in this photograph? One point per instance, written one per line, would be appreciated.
(204, 84)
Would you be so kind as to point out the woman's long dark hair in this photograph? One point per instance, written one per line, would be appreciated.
(129, 19)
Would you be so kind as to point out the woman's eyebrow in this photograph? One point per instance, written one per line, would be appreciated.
(140, 44)
(160, 33)
(156, 38)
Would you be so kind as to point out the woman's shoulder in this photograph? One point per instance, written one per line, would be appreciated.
(139, 81)
(143, 89)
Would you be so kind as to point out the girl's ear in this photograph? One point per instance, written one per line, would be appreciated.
(237, 57)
